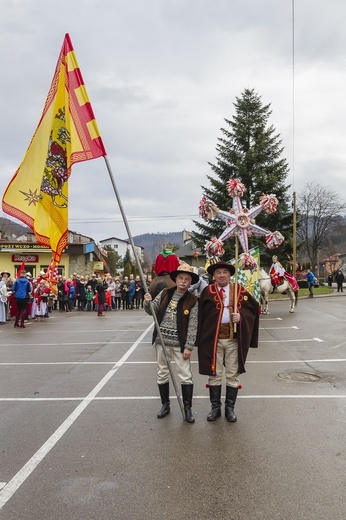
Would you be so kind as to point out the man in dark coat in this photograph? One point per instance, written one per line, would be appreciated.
(224, 336)
(339, 278)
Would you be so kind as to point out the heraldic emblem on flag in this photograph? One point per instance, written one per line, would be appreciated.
(67, 133)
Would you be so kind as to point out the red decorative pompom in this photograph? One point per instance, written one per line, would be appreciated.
(274, 240)
(214, 247)
(207, 209)
(207, 386)
(240, 387)
(235, 188)
(269, 203)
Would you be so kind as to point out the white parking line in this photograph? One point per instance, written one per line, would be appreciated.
(55, 331)
(279, 328)
(80, 363)
(11, 487)
(339, 360)
(82, 343)
(289, 396)
(149, 398)
(291, 340)
(334, 360)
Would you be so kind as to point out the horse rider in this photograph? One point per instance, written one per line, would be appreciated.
(276, 273)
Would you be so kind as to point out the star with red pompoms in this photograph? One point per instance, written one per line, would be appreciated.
(240, 221)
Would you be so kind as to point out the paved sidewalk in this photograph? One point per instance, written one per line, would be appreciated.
(334, 293)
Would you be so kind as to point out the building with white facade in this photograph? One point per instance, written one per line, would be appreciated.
(121, 246)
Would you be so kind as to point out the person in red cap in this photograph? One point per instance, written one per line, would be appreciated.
(224, 336)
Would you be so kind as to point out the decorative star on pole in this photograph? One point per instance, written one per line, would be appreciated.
(240, 222)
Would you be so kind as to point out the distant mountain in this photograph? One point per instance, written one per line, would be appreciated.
(153, 243)
(9, 228)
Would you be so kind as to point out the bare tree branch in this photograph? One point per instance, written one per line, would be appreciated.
(320, 209)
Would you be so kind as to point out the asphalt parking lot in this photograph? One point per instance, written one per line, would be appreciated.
(80, 437)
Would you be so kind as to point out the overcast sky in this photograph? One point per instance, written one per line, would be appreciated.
(162, 75)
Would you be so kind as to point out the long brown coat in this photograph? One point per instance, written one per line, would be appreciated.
(209, 320)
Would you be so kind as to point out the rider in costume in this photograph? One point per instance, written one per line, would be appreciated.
(166, 261)
(278, 274)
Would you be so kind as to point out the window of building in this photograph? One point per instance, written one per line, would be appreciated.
(29, 269)
(61, 269)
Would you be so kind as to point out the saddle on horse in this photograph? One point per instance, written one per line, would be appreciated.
(276, 280)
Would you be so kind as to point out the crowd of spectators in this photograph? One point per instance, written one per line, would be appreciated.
(90, 293)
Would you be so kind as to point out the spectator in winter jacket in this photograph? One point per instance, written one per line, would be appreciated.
(21, 289)
(339, 278)
(311, 280)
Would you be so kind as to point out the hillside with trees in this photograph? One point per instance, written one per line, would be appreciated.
(8, 228)
(153, 243)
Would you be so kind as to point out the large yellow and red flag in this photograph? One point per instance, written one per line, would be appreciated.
(67, 133)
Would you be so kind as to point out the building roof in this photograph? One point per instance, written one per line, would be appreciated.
(187, 250)
(114, 238)
(127, 241)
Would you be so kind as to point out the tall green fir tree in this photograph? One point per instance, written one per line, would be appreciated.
(250, 150)
(127, 263)
(113, 260)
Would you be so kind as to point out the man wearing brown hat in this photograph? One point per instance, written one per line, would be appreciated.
(224, 336)
(176, 310)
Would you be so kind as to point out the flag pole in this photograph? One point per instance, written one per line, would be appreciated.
(145, 287)
(236, 279)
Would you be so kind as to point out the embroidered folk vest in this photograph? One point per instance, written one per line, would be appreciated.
(185, 304)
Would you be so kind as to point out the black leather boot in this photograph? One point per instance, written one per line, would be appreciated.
(164, 394)
(22, 319)
(215, 399)
(231, 397)
(16, 323)
(187, 391)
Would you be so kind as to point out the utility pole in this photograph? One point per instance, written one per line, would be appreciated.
(294, 235)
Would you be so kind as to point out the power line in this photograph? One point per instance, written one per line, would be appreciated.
(134, 219)
(293, 95)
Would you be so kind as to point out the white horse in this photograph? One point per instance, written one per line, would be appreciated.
(267, 287)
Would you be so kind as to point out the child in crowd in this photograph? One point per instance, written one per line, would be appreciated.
(89, 293)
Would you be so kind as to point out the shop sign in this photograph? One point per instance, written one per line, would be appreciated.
(16, 245)
(27, 259)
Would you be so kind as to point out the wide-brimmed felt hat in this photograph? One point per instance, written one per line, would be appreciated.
(5, 272)
(185, 268)
(221, 265)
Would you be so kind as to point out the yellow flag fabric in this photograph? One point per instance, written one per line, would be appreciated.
(250, 280)
(67, 133)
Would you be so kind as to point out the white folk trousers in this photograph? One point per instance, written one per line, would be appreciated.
(183, 366)
(226, 354)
